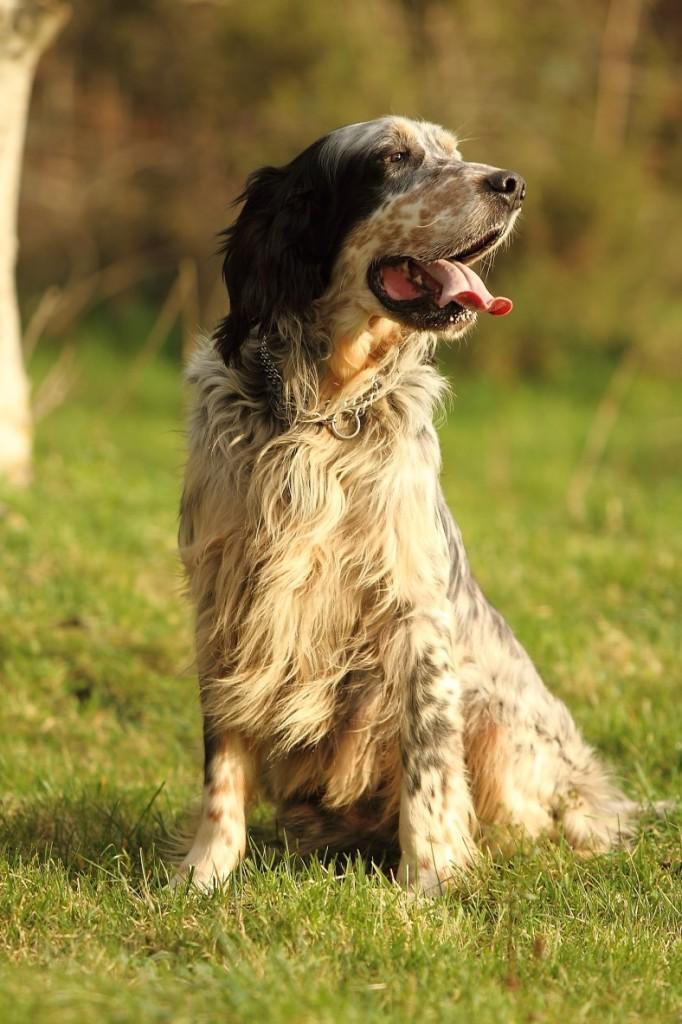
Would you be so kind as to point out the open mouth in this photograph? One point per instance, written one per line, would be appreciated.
(437, 293)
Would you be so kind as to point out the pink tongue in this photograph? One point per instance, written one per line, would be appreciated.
(461, 284)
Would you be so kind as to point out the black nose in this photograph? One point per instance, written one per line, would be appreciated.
(508, 184)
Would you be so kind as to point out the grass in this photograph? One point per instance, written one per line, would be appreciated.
(101, 737)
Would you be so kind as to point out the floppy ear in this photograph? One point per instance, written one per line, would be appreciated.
(274, 253)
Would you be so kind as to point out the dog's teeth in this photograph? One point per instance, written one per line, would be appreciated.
(452, 319)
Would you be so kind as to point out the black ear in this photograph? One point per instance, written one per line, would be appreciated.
(275, 260)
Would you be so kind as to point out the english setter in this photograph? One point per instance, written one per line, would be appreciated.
(348, 662)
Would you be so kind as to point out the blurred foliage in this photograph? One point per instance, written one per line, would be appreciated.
(148, 114)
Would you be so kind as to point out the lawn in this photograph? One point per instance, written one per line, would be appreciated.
(100, 756)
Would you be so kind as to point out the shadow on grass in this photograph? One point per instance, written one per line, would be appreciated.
(87, 831)
(101, 829)
(136, 835)
(125, 840)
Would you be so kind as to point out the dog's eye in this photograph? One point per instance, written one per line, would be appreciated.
(401, 156)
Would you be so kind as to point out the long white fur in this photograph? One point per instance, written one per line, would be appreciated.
(348, 661)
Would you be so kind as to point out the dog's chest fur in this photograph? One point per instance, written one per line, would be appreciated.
(315, 546)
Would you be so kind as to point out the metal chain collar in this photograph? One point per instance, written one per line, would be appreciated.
(350, 413)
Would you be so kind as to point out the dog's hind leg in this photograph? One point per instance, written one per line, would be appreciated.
(530, 770)
(529, 778)
(229, 775)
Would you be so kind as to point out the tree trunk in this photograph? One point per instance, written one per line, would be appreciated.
(616, 72)
(26, 28)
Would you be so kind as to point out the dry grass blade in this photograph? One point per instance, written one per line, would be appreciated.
(81, 294)
(190, 307)
(598, 435)
(48, 304)
(57, 384)
(168, 314)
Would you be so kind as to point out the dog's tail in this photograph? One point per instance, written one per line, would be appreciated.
(637, 809)
(599, 817)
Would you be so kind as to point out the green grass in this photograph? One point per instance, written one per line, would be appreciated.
(100, 752)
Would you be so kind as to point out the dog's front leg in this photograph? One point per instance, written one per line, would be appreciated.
(229, 776)
(436, 811)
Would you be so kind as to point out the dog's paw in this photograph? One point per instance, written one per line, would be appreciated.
(434, 871)
(205, 869)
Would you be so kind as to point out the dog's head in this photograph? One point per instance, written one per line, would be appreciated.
(381, 220)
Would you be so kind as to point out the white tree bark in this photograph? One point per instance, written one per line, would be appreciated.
(26, 28)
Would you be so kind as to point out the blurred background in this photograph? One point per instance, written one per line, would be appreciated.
(561, 455)
(148, 114)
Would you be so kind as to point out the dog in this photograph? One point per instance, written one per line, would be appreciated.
(349, 664)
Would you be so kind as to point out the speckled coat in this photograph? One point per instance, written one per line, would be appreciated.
(348, 662)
